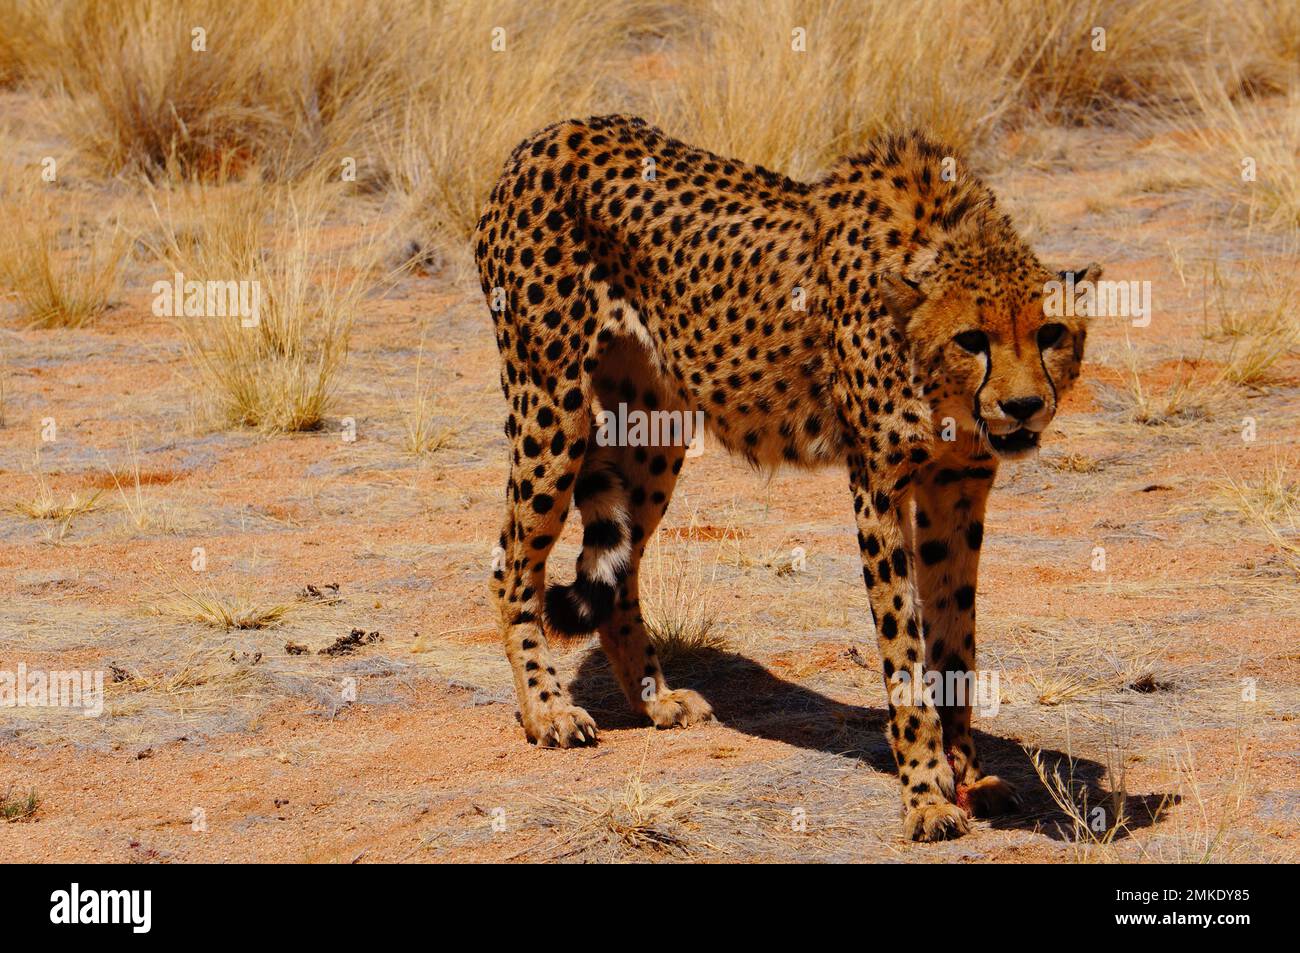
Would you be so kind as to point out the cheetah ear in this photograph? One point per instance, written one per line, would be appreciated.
(902, 296)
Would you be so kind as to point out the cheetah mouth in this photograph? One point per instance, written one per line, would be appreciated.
(1017, 443)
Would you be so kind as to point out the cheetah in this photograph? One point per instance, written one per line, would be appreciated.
(886, 318)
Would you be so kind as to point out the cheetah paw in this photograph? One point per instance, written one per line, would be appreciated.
(931, 822)
(678, 708)
(563, 726)
(988, 797)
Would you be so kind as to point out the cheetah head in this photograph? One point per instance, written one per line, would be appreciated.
(993, 356)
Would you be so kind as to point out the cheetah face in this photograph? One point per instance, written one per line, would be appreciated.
(990, 358)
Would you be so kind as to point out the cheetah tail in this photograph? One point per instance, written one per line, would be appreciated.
(582, 606)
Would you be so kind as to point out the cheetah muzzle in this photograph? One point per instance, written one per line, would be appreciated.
(886, 318)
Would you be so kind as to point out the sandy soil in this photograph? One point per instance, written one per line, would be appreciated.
(218, 745)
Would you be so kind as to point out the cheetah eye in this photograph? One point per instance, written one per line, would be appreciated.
(1049, 335)
(977, 342)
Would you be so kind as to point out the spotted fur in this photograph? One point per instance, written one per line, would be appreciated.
(886, 318)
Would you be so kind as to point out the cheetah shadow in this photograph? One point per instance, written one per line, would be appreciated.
(750, 698)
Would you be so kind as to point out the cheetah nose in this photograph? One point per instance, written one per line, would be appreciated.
(1021, 408)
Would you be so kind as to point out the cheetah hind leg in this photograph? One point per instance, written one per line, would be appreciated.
(603, 595)
(623, 494)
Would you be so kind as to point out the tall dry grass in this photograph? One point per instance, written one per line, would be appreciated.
(1266, 34)
(1251, 308)
(495, 73)
(681, 620)
(1244, 152)
(425, 97)
(428, 98)
(1080, 61)
(1271, 503)
(793, 84)
(279, 373)
(25, 40)
(206, 90)
(58, 267)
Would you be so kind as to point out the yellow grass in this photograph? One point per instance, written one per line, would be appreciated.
(46, 505)
(144, 513)
(674, 584)
(59, 271)
(742, 86)
(1246, 153)
(282, 85)
(205, 680)
(1269, 38)
(1064, 76)
(422, 435)
(1271, 502)
(472, 104)
(793, 85)
(1096, 819)
(1191, 395)
(1055, 688)
(398, 90)
(221, 611)
(1073, 463)
(637, 821)
(26, 40)
(1208, 824)
(278, 375)
(1254, 312)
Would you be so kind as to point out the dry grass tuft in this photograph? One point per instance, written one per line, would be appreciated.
(1246, 153)
(959, 70)
(1063, 76)
(144, 512)
(679, 617)
(58, 277)
(284, 87)
(842, 88)
(222, 611)
(1052, 688)
(1208, 827)
(1269, 38)
(205, 681)
(46, 505)
(1091, 829)
(1097, 818)
(26, 40)
(636, 822)
(20, 807)
(1252, 310)
(1272, 503)
(422, 435)
(1194, 392)
(1073, 463)
(279, 374)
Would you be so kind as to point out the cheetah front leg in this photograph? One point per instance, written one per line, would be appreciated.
(950, 496)
(915, 733)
